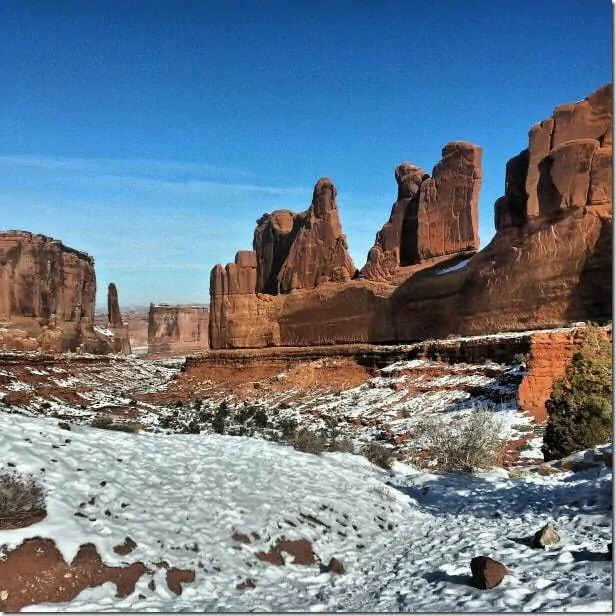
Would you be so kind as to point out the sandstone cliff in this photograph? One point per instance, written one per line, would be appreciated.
(177, 330)
(318, 252)
(433, 216)
(548, 264)
(47, 294)
(292, 252)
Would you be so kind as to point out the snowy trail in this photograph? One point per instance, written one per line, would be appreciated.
(405, 538)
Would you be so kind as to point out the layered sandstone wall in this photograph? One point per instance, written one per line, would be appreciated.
(177, 330)
(47, 295)
(549, 356)
(433, 216)
(293, 252)
(549, 263)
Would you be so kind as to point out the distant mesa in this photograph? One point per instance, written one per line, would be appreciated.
(177, 329)
(549, 263)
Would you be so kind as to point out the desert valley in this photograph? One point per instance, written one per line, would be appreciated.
(317, 436)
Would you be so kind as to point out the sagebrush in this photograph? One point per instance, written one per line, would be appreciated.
(20, 496)
(378, 454)
(580, 407)
(467, 444)
(309, 441)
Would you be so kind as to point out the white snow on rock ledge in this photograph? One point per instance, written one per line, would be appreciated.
(168, 492)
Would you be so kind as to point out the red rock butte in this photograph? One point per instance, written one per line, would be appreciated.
(47, 294)
(549, 263)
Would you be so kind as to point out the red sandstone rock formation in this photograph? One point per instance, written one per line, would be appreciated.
(433, 216)
(47, 293)
(318, 253)
(549, 263)
(548, 359)
(114, 317)
(121, 339)
(567, 163)
(447, 221)
(291, 252)
(273, 237)
(177, 330)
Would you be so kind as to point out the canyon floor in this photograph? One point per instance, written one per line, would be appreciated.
(170, 487)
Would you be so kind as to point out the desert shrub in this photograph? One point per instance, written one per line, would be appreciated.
(168, 421)
(471, 443)
(102, 421)
(378, 454)
(132, 428)
(342, 444)
(20, 496)
(106, 423)
(220, 419)
(520, 358)
(260, 418)
(245, 413)
(308, 441)
(288, 428)
(193, 427)
(580, 407)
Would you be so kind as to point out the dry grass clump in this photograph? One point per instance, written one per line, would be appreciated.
(378, 454)
(344, 445)
(463, 446)
(308, 441)
(20, 497)
(106, 423)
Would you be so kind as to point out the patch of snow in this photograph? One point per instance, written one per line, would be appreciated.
(454, 268)
(405, 537)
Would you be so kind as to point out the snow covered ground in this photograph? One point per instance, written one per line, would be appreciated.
(386, 406)
(405, 537)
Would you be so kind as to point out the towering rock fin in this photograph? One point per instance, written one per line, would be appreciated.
(433, 216)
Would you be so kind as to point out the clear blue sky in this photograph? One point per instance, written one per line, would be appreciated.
(152, 134)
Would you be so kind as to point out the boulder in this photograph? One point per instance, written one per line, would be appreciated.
(487, 572)
(334, 566)
(545, 536)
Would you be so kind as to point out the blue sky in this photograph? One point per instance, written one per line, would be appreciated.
(152, 134)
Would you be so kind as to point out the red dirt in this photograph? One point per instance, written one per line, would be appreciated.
(175, 578)
(125, 548)
(35, 572)
(300, 549)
